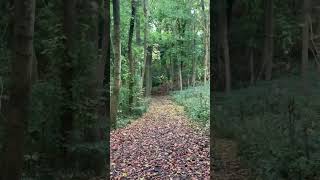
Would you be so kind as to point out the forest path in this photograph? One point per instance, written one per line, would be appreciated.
(227, 164)
(162, 144)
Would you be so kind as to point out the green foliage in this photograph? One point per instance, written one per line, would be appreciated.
(276, 125)
(140, 106)
(196, 101)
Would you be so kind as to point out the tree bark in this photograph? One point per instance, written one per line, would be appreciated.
(67, 76)
(34, 75)
(206, 43)
(20, 89)
(251, 64)
(106, 45)
(138, 35)
(193, 75)
(305, 42)
(180, 75)
(96, 134)
(148, 72)
(177, 68)
(130, 55)
(117, 63)
(145, 41)
(225, 44)
(268, 46)
(171, 72)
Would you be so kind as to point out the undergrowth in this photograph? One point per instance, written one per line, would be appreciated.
(277, 126)
(196, 102)
(141, 104)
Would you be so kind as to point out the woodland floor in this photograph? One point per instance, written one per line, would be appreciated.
(227, 163)
(160, 145)
(164, 144)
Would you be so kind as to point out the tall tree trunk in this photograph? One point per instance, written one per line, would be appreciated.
(106, 55)
(181, 27)
(171, 72)
(20, 89)
(130, 55)
(305, 41)
(97, 161)
(177, 68)
(218, 71)
(34, 76)
(225, 44)
(193, 76)
(206, 43)
(67, 76)
(145, 40)
(148, 73)
(268, 46)
(251, 64)
(138, 35)
(117, 63)
(180, 74)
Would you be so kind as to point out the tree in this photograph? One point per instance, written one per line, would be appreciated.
(18, 113)
(96, 134)
(106, 54)
(130, 55)
(305, 39)
(137, 17)
(66, 76)
(193, 76)
(222, 15)
(206, 42)
(145, 40)
(268, 42)
(181, 28)
(148, 73)
(117, 63)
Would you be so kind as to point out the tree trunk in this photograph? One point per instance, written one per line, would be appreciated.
(305, 42)
(103, 108)
(148, 72)
(66, 77)
(34, 76)
(225, 44)
(130, 55)
(117, 63)
(171, 73)
(268, 46)
(145, 41)
(20, 89)
(206, 43)
(193, 76)
(251, 64)
(97, 161)
(177, 68)
(138, 35)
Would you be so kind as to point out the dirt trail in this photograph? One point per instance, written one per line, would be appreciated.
(227, 163)
(162, 144)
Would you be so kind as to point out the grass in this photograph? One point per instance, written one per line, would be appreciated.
(196, 102)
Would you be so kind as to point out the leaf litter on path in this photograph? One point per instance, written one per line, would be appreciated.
(162, 144)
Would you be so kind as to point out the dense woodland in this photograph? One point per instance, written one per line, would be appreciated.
(159, 46)
(65, 66)
(72, 71)
(54, 89)
(266, 85)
